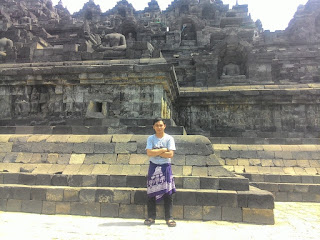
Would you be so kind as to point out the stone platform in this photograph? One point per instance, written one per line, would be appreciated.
(105, 175)
(290, 172)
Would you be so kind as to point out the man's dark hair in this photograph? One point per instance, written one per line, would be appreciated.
(158, 119)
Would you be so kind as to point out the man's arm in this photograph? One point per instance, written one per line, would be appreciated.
(167, 154)
(156, 152)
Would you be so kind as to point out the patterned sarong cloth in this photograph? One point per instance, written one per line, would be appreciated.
(160, 181)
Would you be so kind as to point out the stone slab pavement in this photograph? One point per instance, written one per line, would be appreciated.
(294, 221)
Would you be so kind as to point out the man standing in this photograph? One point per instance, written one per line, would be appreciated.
(160, 185)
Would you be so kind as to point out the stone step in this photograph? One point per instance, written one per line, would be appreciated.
(182, 182)
(291, 192)
(276, 159)
(109, 169)
(253, 206)
(119, 162)
(292, 188)
(88, 130)
(278, 178)
(264, 140)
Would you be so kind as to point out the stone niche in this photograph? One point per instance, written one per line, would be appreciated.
(55, 94)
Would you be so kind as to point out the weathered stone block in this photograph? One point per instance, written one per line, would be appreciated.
(290, 179)
(286, 187)
(71, 195)
(11, 178)
(310, 197)
(314, 189)
(75, 180)
(266, 155)
(191, 182)
(104, 195)
(207, 198)
(200, 171)
(78, 208)
(140, 159)
(83, 148)
(249, 154)
(122, 196)
(227, 199)
(261, 200)
(139, 197)
(87, 195)
(104, 148)
(302, 188)
(38, 194)
(234, 184)
(109, 210)
(63, 208)
(48, 207)
(272, 178)
(131, 211)
(230, 154)
(184, 197)
(281, 197)
(212, 213)
(24, 157)
(103, 180)
(193, 212)
(136, 181)
(231, 214)
(123, 159)
(89, 181)
(77, 158)
(258, 216)
(43, 179)
(195, 160)
(85, 169)
(193, 149)
(59, 180)
(10, 157)
(21, 193)
(129, 147)
(14, 205)
(118, 180)
(209, 183)
(109, 159)
(54, 195)
(3, 204)
(31, 206)
(295, 197)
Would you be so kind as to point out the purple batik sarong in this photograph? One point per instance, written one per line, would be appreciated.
(160, 181)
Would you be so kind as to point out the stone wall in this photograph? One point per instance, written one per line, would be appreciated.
(53, 93)
(251, 111)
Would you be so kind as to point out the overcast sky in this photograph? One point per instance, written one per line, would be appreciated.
(274, 14)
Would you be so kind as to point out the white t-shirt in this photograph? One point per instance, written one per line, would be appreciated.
(155, 143)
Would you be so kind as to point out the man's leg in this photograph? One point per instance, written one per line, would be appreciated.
(168, 204)
(152, 208)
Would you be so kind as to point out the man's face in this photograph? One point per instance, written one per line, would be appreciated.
(159, 127)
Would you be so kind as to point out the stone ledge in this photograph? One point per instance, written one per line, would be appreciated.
(130, 203)
(254, 198)
(303, 179)
(121, 165)
(135, 181)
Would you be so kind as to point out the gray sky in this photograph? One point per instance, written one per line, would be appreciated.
(274, 14)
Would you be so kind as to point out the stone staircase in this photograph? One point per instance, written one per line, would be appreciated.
(290, 172)
(105, 175)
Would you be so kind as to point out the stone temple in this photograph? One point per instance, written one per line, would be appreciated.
(78, 94)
